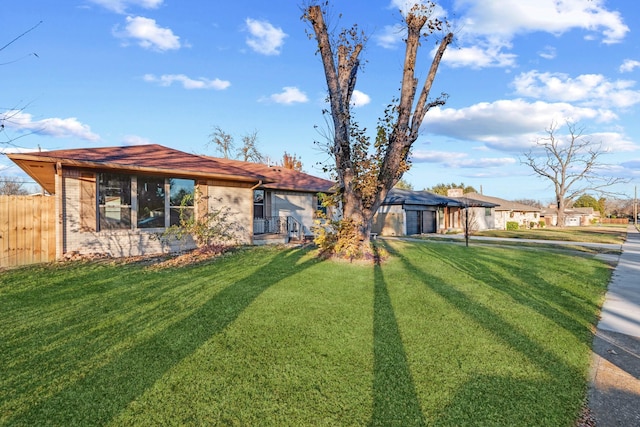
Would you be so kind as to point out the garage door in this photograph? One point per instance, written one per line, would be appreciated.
(413, 223)
(428, 221)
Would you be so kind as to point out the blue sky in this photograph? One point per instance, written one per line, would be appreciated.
(121, 72)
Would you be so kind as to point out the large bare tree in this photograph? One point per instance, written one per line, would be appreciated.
(572, 163)
(365, 174)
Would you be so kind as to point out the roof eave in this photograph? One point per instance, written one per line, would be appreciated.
(23, 161)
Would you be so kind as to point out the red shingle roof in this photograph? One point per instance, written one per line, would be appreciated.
(280, 178)
(156, 158)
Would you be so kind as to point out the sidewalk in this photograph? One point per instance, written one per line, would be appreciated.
(614, 391)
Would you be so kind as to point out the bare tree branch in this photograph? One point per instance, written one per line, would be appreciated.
(572, 164)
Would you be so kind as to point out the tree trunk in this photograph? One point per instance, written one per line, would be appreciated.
(561, 215)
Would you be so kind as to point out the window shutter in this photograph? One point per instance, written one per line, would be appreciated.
(88, 202)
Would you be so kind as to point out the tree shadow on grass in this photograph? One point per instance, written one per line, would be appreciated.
(562, 306)
(395, 401)
(487, 400)
(99, 396)
(562, 381)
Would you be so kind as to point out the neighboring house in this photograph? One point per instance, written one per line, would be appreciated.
(573, 217)
(407, 212)
(117, 200)
(507, 211)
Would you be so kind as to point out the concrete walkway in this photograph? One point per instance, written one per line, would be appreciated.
(614, 391)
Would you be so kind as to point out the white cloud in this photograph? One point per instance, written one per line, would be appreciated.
(264, 38)
(484, 54)
(359, 99)
(506, 18)
(460, 160)
(187, 82)
(585, 89)
(15, 150)
(549, 52)
(632, 164)
(148, 34)
(488, 162)
(56, 127)
(120, 6)
(508, 125)
(486, 28)
(613, 141)
(629, 65)
(289, 95)
(429, 156)
(135, 140)
(391, 36)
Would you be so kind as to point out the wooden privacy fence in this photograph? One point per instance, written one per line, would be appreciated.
(614, 220)
(27, 230)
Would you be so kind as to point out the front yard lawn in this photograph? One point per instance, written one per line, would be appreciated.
(438, 335)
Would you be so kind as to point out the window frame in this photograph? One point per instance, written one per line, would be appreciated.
(135, 183)
(180, 208)
(103, 206)
(259, 202)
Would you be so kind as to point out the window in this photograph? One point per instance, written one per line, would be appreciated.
(319, 206)
(258, 203)
(156, 201)
(181, 197)
(114, 201)
(151, 202)
(487, 211)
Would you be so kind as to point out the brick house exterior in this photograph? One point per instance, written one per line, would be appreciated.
(117, 200)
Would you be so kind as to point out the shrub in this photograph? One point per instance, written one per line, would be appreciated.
(337, 238)
(542, 223)
(512, 226)
(326, 233)
(214, 228)
(532, 224)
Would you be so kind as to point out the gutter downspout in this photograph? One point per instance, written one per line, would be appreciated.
(252, 209)
(59, 211)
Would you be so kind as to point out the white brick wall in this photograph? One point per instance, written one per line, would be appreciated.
(116, 243)
(297, 205)
(240, 203)
(121, 243)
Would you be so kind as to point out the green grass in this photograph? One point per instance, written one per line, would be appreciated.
(609, 235)
(438, 335)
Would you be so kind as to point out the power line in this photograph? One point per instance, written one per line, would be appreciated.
(17, 181)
